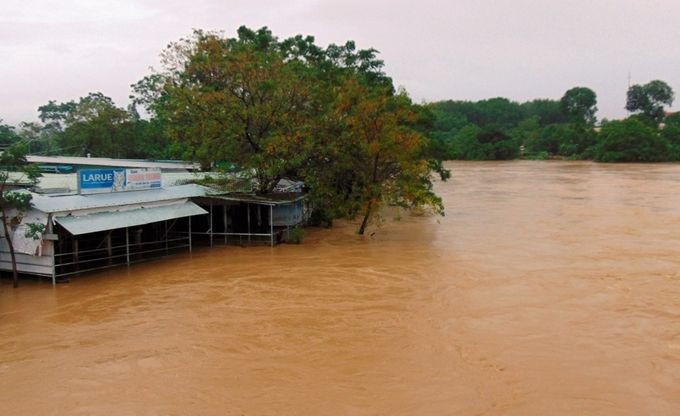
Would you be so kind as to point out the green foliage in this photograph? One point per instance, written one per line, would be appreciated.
(671, 133)
(237, 100)
(297, 235)
(277, 108)
(536, 156)
(372, 156)
(7, 135)
(39, 139)
(14, 170)
(581, 105)
(527, 130)
(465, 145)
(454, 115)
(95, 125)
(473, 143)
(497, 144)
(545, 111)
(630, 140)
(34, 230)
(650, 99)
(498, 128)
(512, 125)
(562, 140)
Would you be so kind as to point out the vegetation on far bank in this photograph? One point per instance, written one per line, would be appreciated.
(500, 129)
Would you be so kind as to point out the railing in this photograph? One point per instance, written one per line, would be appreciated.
(244, 238)
(115, 255)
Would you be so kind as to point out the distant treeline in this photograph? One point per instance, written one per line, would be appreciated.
(493, 129)
(500, 129)
(92, 125)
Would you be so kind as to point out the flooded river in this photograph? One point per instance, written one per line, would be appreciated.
(550, 288)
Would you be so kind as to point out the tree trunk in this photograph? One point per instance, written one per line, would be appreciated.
(367, 216)
(15, 274)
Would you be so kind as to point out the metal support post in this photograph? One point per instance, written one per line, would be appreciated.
(248, 206)
(76, 257)
(127, 246)
(211, 223)
(54, 270)
(109, 248)
(271, 224)
(224, 209)
(189, 234)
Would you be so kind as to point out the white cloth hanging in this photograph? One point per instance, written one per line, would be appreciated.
(26, 245)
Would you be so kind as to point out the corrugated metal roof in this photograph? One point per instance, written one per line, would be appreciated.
(66, 203)
(269, 199)
(104, 221)
(105, 161)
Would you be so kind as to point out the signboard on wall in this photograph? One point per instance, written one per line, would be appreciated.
(97, 181)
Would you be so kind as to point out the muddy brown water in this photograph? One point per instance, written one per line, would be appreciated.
(550, 288)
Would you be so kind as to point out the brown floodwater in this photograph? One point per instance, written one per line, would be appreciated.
(549, 288)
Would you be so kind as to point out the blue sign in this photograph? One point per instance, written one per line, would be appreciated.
(94, 181)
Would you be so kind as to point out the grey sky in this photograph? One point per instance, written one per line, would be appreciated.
(460, 49)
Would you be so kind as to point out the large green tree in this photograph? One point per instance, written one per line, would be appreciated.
(236, 99)
(581, 105)
(377, 158)
(95, 125)
(650, 99)
(290, 108)
(92, 125)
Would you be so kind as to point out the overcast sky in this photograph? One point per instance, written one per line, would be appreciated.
(436, 49)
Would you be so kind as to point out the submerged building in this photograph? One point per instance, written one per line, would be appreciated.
(122, 216)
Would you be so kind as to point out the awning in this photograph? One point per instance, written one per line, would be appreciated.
(103, 221)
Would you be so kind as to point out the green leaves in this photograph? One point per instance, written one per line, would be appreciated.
(7, 134)
(20, 201)
(650, 99)
(291, 108)
(581, 104)
(14, 170)
(630, 140)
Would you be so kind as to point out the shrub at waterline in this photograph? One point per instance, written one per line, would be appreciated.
(630, 140)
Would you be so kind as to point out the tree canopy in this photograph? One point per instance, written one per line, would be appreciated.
(8, 135)
(650, 99)
(288, 107)
(581, 104)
